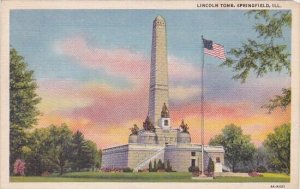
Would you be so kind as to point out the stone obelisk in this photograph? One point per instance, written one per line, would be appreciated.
(159, 90)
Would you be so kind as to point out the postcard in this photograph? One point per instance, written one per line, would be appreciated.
(143, 94)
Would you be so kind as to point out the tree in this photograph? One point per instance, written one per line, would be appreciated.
(260, 159)
(278, 145)
(59, 146)
(48, 149)
(77, 152)
(265, 53)
(36, 152)
(23, 104)
(238, 147)
(84, 152)
(279, 101)
(98, 159)
(54, 148)
(90, 155)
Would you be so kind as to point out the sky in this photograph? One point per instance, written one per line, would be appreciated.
(93, 67)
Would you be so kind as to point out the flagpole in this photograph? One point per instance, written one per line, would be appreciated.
(202, 111)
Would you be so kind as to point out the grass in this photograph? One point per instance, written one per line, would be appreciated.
(144, 177)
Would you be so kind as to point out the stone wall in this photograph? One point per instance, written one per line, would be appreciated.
(180, 160)
(166, 136)
(116, 157)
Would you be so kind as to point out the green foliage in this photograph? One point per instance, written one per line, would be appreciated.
(238, 147)
(84, 153)
(98, 159)
(278, 145)
(273, 25)
(23, 101)
(150, 167)
(155, 166)
(211, 166)
(279, 101)
(260, 159)
(59, 144)
(261, 169)
(36, 153)
(160, 165)
(127, 170)
(265, 56)
(55, 148)
(194, 169)
(23, 96)
(265, 53)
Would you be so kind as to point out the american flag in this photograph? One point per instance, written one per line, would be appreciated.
(214, 49)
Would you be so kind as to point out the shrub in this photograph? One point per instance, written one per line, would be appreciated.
(111, 169)
(160, 165)
(193, 169)
(150, 167)
(155, 166)
(169, 167)
(127, 170)
(211, 166)
(261, 169)
(19, 167)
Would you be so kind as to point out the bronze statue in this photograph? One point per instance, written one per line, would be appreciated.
(148, 126)
(184, 127)
(134, 130)
(165, 111)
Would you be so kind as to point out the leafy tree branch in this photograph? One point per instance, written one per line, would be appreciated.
(264, 54)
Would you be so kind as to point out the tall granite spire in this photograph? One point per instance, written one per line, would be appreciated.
(159, 89)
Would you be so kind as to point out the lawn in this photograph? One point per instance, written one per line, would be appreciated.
(144, 177)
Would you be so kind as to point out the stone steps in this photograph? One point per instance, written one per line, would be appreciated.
(146, 162)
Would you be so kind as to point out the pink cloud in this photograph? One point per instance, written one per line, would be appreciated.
(133, 65)
(114, 61)
(179, 69)
(113, 106)
(212, 110)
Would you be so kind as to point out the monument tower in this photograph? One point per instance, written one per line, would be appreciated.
(156, 139)
(159, 89)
